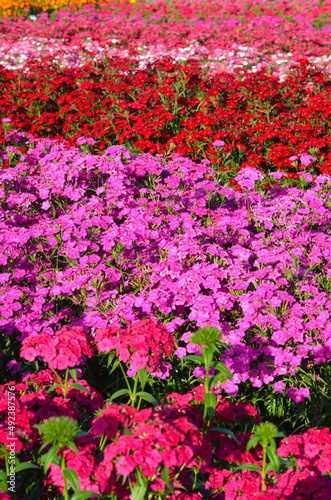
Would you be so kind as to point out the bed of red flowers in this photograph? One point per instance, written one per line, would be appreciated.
(165, 254)
(173, 107)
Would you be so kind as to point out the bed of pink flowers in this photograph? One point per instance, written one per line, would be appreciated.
(223, 35)
(164, 335)
(144, 281)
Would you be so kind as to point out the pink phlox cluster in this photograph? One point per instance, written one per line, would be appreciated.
(247, 177)
(66, 348)
(143, 344)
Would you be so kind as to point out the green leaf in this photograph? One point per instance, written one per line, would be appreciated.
(111, 356)
(226, 431)
(248, 467)
(3, 482)
(273, 458)
(45, 444)
(166, 479)
(147, 397)
(254, 441)
(73, 373)
(119, 393)
(143, 375)
(80, 387)
(208, 354)
(81, 495)
(210, 402)
(73, 479)
(80, 433)
(165, 475)
(53, 211)
(219, 366)
(25, 465)
(52, 388)
(140, 488)
(115, 365)
(193, 357)
(50, 458)
(73, 447)
(287, 463)
(214, 379)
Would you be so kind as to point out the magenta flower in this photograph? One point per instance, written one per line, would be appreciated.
(247, 177)
(67, 348)
(279, 386)
(298, 395)
(306, 159)
(218, 144)
(142, 344)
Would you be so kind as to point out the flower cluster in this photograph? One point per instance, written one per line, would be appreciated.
(52, 102)
(143, 344)
(103, 241)
(68, 347)
(165, 243)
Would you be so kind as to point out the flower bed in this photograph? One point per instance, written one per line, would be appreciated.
(263, 122)
(165, 253)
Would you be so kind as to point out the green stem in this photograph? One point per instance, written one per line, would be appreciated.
(133, 397)
(66, 382)
(102, 442)
(60, 381)
(7, 464)
(65, 486)
(263, 472)
(126, 380)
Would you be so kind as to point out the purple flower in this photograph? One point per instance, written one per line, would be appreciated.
(279, 386)
(293, 158)
(218, 144)
(85, 140)
(6, 120)
(306, 159)
(14, 366)
(298, 395)
(247, 177)
(277, 175)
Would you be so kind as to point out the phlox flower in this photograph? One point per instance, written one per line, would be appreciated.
(298, 395)
(142, 344)
(279, 386)
(218, 144)
(66, 348)
(247, 177)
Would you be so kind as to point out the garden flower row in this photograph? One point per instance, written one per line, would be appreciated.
(165, 251)
(173, 107)
(99, 251)
(222, 35)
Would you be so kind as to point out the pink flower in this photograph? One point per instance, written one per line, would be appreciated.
(125, 465)
(279, 386)
(298, 395)
(180, 352)
(66, 348)
(142, 344)
(45, 205)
